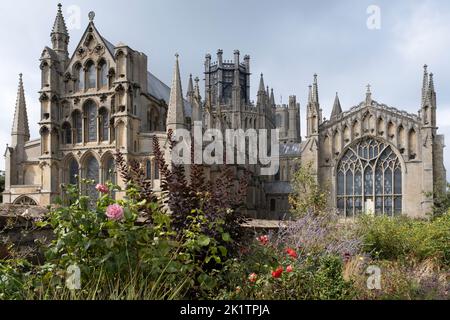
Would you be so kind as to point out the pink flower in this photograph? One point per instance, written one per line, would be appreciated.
(252, 277)
(102, 188)
(114, 212)
(289, 269)
(263, 240)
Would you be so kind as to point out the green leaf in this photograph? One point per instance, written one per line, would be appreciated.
(203, 240)
(226, 237)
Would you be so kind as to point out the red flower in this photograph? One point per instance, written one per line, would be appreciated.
(291, 252)
(289, 269)
(277, 273)
(252, 277)
(263, 240)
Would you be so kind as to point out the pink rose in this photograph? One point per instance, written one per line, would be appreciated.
(102, 188)
(114, 212)
(289, 269)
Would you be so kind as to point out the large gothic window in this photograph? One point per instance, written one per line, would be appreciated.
(369, 178)
(92, 173)
(90, 110)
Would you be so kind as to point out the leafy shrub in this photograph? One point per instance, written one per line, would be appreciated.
(399, 238)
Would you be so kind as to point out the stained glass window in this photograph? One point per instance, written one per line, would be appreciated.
(78, 126)
(369, 174)
(73, 172)
(110, 172)
(148, 169)
(91, 76)
(80, 80)
(92, 173)
(156, 170)
(91, 121)
(103, 77)
(104, 120)
(67, 133)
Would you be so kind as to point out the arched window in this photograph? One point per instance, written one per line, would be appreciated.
(79, 85)
(91, 75)
(148, 173)
(25, 201)
(91, 173)
(156, 170)
(90, 113)
(369, 176)
(110, 172)
(67, 133)
(103, 74)
(104, 124)
(76, 117)
(73, 172)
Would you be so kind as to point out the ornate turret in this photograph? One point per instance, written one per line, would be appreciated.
(60, 35)
(313, 109)
(175, 112)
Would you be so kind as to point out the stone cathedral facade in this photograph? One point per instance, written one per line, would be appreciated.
(102, 98)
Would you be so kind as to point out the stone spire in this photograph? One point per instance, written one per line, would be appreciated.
(310, 94)
(190, 90)
(261, 84)
(60, 35)
(424, 84)
(20, 129)
(368, 95)
(431, 84)
(315, 91)
(175, 112)
(272, 98)
(337, 110)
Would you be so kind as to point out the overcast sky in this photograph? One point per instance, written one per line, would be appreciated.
(288, 41)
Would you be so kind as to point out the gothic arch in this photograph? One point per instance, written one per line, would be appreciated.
(25, 201)
(379, 139)
(356, 129)
(369, 176)
(391, 130)
(412, 143)
(380, 126)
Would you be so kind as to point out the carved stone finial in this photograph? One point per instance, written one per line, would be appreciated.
(91, 16)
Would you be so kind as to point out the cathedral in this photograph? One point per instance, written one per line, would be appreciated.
(101, 98)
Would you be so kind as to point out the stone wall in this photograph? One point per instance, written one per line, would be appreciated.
(19, 236)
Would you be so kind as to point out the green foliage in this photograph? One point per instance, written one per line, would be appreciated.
(312, 277)
(441, 203)
(307, 196)
(400, 238)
